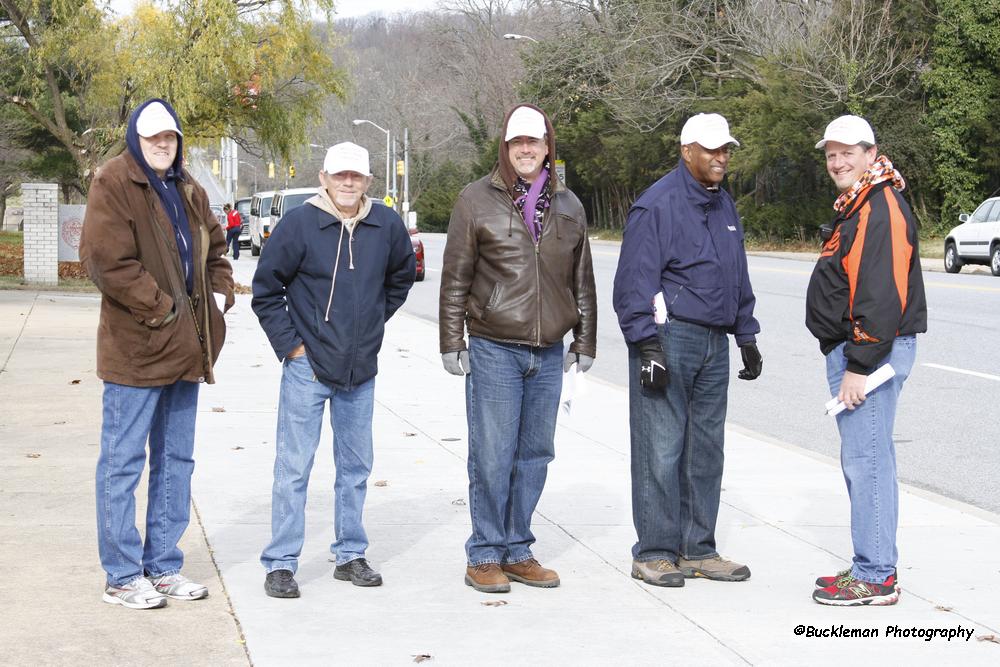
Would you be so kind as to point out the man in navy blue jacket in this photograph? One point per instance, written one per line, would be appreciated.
(334, 272)
(682, 286)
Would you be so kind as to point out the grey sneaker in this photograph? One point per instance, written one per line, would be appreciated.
(716, 569)
(658, 573)
(178, 587)
(136, 594)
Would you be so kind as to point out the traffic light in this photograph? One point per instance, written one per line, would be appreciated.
(215, 167)
(270, 170)
(400, 168)
(291, 171)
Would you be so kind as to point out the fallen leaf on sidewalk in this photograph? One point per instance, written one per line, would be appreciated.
(240, 288)
(401, 349)
(218, 409)
(450, 439)
(494, 603)
(58, 423)
(458, 501)
(381, 482)
(74, 382)
(989, 638)
(941, 607)
(407, 434)
(34, 456)
(238, 447)
(422, 657)
(256, 365)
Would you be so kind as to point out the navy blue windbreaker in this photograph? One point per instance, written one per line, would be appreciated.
(687, 241)
(293, 283)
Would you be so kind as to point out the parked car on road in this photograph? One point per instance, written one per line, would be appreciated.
(219, 213)
(976, 240)
(243, 208)
(285, 200)
(418, 250)
(260, 220)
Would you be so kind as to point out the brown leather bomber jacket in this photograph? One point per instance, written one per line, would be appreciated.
(506, 288)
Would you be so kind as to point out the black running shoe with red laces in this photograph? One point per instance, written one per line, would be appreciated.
(850, 592)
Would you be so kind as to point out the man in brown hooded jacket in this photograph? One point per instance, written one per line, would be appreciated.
(517, 273)
(153, 248)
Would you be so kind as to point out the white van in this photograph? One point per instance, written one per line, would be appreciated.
(260, 220)
(285, 200)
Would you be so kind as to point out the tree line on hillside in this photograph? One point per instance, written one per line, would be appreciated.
(618, 78)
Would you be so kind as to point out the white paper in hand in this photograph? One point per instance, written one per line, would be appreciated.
(835, 407)
(220, 301)
(574, 386)
(659, 309)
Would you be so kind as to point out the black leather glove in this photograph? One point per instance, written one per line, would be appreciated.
(653, 366)
(752, 362)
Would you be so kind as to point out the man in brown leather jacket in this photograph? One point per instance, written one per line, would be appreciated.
(153, 248)
(518, 274)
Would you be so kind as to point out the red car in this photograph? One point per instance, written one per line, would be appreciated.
(418, 250)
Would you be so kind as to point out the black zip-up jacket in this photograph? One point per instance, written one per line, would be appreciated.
(866, 287)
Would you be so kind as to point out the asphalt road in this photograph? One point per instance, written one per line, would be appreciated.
(947, 423)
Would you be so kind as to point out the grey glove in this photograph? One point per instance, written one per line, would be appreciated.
(457, 363)
(582, 360)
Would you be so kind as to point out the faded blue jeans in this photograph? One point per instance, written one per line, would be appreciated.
(868, 459)
(301, 405)
(677, 444)
(165, 417)
(511, 401)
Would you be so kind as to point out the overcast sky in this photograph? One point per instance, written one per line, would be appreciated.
(344, 8)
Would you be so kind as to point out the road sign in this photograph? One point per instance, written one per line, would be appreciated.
(561, 170)
(388, 200)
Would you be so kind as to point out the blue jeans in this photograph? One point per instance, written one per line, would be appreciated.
(511, 401)
(300, 419)
(677, 444)
(868, 458)
(233, 240)
(164, 416)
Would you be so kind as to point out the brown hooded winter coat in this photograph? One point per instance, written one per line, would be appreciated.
(129, 250)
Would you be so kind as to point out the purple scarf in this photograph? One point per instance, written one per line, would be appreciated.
(533, 202)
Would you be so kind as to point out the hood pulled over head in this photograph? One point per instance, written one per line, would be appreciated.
(132, 136)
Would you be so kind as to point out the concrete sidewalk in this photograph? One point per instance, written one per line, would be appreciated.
(784, 513)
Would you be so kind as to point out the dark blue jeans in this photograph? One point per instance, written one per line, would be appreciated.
(677, 445)
(511, 401)
(233, 240)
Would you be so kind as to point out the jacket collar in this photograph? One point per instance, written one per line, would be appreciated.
(696, 192)
(329, 218)
(496, 180)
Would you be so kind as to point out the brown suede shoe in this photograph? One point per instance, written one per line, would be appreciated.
(531, 573)
(487, 578)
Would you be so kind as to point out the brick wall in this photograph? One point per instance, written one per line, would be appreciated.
(41, 232)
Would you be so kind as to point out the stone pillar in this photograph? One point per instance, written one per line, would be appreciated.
(41, 233)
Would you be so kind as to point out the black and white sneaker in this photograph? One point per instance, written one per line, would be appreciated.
(358, 572)
(281, 584)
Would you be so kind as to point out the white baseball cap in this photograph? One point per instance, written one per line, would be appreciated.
(347, 156)
(525, 122)
(710, 130)
(848, 130)
(155, 118)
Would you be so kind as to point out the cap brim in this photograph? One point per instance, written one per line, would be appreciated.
(713, 144)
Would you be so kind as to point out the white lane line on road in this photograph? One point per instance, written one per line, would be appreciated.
(985, 376)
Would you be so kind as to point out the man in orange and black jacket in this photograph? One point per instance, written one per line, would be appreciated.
(865, 303)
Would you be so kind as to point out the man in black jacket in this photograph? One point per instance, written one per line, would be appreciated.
(334, 272)
(865, 304)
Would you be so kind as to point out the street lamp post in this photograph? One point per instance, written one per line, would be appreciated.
(514, 35)
(388, 149)
(254, 176)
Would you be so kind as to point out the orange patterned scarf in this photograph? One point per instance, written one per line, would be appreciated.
(880, 170)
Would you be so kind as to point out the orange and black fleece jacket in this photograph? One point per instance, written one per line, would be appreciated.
(866, 287)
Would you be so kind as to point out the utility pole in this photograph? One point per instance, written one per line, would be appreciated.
(406, 171)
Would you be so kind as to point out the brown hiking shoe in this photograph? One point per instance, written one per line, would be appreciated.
(716, 569)
(487, 578)
(659, 572)
(531, 573)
